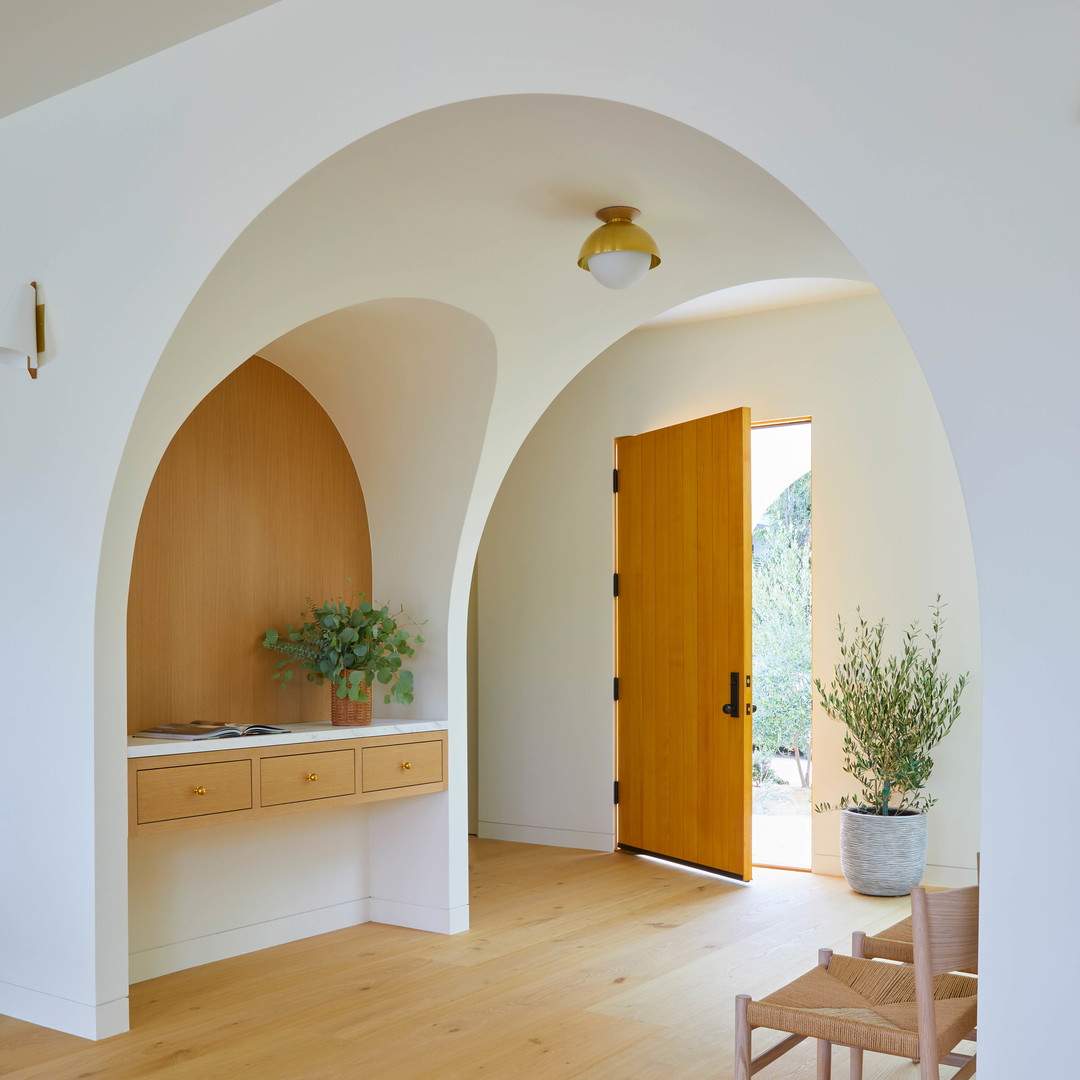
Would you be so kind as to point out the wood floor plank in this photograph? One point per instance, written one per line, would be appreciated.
(579, 966)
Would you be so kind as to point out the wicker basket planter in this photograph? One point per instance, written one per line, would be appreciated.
(346, 713)
(882, 856)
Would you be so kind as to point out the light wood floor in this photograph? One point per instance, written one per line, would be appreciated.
(579, 965)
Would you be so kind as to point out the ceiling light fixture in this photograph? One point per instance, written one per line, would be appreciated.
(619, 254)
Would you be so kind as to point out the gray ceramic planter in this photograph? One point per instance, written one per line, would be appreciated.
(882, 856)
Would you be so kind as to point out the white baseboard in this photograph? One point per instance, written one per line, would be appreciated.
(436, 920)
(538, 834)
(829, 865)
(935, 876)
(949, 877)
(60, 1014)
(165, 959)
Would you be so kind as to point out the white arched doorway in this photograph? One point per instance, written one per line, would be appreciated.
(365, 223)
(882, 469)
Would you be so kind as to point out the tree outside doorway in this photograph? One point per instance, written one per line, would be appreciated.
(782, 679)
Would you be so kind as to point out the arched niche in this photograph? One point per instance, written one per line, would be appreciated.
(255, 505)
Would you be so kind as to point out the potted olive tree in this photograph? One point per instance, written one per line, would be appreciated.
(355, 648)
(895, 709)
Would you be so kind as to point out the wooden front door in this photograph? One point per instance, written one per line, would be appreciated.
(683, 651)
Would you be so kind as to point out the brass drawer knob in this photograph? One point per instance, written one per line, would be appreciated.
(313, 776)
(406, 764)
(199, 790)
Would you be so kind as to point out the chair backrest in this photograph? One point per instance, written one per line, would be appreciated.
(947, 925)
(945, 933)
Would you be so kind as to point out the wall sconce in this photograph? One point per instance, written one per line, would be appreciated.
(619, 254)
(22, 327)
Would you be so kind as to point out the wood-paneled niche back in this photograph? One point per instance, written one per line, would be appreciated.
(255, 505)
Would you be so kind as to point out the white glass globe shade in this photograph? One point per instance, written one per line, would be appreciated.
(619, 269)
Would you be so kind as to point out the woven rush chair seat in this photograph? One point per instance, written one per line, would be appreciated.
(868, 1004)
(920, 1011)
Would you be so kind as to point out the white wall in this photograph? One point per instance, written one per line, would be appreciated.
(207, 894)
(954, 191)
(890, 532)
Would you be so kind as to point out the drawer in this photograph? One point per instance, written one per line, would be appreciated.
(184, 791)
(402, 765)
(303, 777)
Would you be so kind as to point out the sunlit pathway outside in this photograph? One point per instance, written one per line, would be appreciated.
(781, 819)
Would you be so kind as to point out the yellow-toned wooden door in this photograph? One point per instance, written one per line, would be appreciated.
(683, 648)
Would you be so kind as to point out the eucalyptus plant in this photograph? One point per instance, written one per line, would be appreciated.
(354, 646)
(896, 709)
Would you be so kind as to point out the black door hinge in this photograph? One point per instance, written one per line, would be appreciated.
(616, 792)
(615, 481)
(615, 687)
(615, 585)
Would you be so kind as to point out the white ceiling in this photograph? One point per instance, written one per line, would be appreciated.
(484, 204)
(48, 46)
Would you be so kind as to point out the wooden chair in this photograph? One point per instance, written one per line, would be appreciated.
(897, 942)
(919, 1011)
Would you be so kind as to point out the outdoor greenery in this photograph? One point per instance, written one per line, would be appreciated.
(782, 671)
(896, 710)
(762, 770)
(354, 646)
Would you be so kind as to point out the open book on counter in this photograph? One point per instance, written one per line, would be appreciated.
(208, 731)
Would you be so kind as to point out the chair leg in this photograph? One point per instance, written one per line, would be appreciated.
(824, 1047)
(824, 1059)
(742, 1038)
(856, 1062)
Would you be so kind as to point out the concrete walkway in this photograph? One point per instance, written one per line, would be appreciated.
(781, 819)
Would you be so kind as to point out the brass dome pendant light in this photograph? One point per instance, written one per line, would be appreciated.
(619, 254)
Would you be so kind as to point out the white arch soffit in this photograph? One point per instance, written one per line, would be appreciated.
(456, 205)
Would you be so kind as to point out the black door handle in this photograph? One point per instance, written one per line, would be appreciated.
(732, 707)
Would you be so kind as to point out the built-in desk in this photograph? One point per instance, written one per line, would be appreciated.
(182, 785)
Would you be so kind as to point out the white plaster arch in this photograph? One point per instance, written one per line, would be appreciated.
(301, 258)
(955, 189)
(423, 208)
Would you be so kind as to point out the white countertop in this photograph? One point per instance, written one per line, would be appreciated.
(300, 733)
